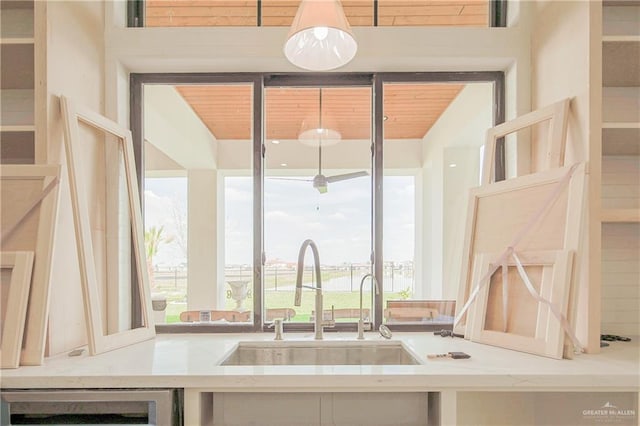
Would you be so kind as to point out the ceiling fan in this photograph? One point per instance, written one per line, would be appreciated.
(320, 181)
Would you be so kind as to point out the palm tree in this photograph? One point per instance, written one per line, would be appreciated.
(153, 238)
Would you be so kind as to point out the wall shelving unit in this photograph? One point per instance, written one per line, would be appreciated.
(620, 203)
(17, 82)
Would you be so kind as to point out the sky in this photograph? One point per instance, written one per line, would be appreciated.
(339, 221)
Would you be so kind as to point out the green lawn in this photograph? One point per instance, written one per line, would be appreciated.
(275, 279)
(284, 299)
(174, 286)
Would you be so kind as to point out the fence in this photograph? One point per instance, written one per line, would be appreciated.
(397, 277)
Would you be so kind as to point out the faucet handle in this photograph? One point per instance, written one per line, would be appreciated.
(332, 321)
(278, 324)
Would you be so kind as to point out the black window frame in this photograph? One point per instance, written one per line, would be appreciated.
(262, 80)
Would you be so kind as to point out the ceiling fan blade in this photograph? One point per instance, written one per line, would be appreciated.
(338, 178)
(284, 178)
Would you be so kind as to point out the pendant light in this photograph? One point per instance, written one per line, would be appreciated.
(320, 38)
(320, 134)
(318, 137)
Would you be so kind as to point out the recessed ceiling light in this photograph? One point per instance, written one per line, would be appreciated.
(452, 165)
(275, 142)
(283, 164)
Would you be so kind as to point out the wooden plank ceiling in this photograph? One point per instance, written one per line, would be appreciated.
(411, 109)
(199, 13)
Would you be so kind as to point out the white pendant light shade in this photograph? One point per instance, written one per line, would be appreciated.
(319, 132)
(319, 136)
(320, 38)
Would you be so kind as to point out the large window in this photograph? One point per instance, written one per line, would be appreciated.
(317, 186)
(433, 135)
(240, 169)
(198, 180)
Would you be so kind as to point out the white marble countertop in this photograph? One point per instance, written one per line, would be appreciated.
(191, 361)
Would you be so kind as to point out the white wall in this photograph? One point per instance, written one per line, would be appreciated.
(158, 164)
(561, 54)
(202, 240)
(454, 139)
(174, 128)
(346, 154)
(566, 54)
(254, 49)
(75, 68)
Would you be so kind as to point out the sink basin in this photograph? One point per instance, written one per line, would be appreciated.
(320, 353)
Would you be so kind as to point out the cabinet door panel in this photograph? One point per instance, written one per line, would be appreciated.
(401, 408)
(266, 409)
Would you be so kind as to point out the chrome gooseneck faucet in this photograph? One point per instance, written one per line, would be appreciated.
(319, 323)
(377, 290)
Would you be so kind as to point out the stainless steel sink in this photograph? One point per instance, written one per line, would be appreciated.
(320, 353)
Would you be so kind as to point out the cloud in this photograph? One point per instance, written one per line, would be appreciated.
(278, 215)
(156, 209)
(236, 195)
(337, 216)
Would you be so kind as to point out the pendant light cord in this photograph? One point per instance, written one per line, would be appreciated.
(320, 134)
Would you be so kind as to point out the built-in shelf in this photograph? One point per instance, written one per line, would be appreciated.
(620, 279)
(620, 182)
(17, 40)
(620, 216)
(16, 20)
(17, 82)
(621, 38)
(621, 105)
(17, 128)
(621, 61)
(620, 140)
(620, 125)
(16, 107)
(620, 178)
(17, 71)
(620, 20)
(17, 147)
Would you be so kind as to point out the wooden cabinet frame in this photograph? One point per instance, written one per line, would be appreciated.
(21, 265)
(99, 341)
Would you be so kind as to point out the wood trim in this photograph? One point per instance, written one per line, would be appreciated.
(33, 344)
(548, 335)
(13, 325)
(557, 114)
(98, 341)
